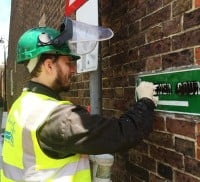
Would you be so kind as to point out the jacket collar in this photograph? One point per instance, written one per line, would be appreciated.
(41, 89)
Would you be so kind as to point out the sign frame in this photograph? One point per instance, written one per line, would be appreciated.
(176, 102)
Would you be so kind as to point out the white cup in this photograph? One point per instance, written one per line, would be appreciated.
(101, 169)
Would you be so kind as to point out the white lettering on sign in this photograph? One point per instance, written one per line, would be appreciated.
(173, 103)
(71, 2)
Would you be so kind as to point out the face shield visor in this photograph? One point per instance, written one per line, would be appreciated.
(81, 38)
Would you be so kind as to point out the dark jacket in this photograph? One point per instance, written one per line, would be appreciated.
(70, 129)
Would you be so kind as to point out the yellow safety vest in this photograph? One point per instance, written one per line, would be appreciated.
(23, 159)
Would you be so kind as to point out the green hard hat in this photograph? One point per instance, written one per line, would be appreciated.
(30, 44)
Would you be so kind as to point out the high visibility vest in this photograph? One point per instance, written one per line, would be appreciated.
(23, 159)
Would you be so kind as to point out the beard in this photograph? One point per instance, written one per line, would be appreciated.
(60, 83)
(59, 86)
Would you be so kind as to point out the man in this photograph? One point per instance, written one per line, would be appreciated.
(47, 139)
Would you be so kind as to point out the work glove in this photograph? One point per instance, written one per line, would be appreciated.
(147, 89)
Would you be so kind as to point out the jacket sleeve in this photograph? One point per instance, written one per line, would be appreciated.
(70, 130)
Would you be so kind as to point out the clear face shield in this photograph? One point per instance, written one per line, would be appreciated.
(81, 38)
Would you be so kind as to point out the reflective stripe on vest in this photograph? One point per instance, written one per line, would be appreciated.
(23, 160)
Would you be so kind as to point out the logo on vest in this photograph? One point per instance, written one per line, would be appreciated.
(8, 134)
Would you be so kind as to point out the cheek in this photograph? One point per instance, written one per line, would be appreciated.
(64, 74)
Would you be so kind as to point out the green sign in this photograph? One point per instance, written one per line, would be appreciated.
(178, 91)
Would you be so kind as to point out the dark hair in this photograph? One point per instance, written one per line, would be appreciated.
(37, 70)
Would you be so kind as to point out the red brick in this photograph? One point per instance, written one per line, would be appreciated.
(142, 160)
(118, 71)
(117, 47)
(170, 157)
(198, 140)
(181, 127)
(118, 172)
(108, 113)
(142, 147)
(106, 73)
(134, 28)
(155, 18)
(120, 35)
(167, 1)
(86, 76)
(79, 77)
(186, 39)
(117, 59)
(129, 93)
(181, 176)
(131, 80)
(117, 25)
(197, 3)
(139, 10)
(136, 40)
(134, 179)
(105, 63)
(197, 62)
(83, 93)
(106, 83)
(134, 67)
(73, 86)
(105, 51)
(154, 178)
(107, 103)
(154, 48)
(119, 92)
(161, 139)
(118, 113)
(72, 93)
(86, 102)
(186, 147)
(137, 171)
(154, 63)
(197, 54)
(133, 54)
(198, 128)
(105, 3)
(107, 93)
(153, 5)
(172, 26)
(176, 59)
(120, 104)
(165, 171)
(191, 19)
(119, 8)
(86, 93)
(106, 20)
(192, 166)
(181, 6)
(154, 33)
(119, 81)
(80, 85)
(159, 123)
(198, 153)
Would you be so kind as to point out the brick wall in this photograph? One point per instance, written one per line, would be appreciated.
(150, 35)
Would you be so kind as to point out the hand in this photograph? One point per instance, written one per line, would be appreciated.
(147, 89)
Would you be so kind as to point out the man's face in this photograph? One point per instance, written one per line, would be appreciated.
(65, 69)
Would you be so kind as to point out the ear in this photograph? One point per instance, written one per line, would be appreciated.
(48, 65)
